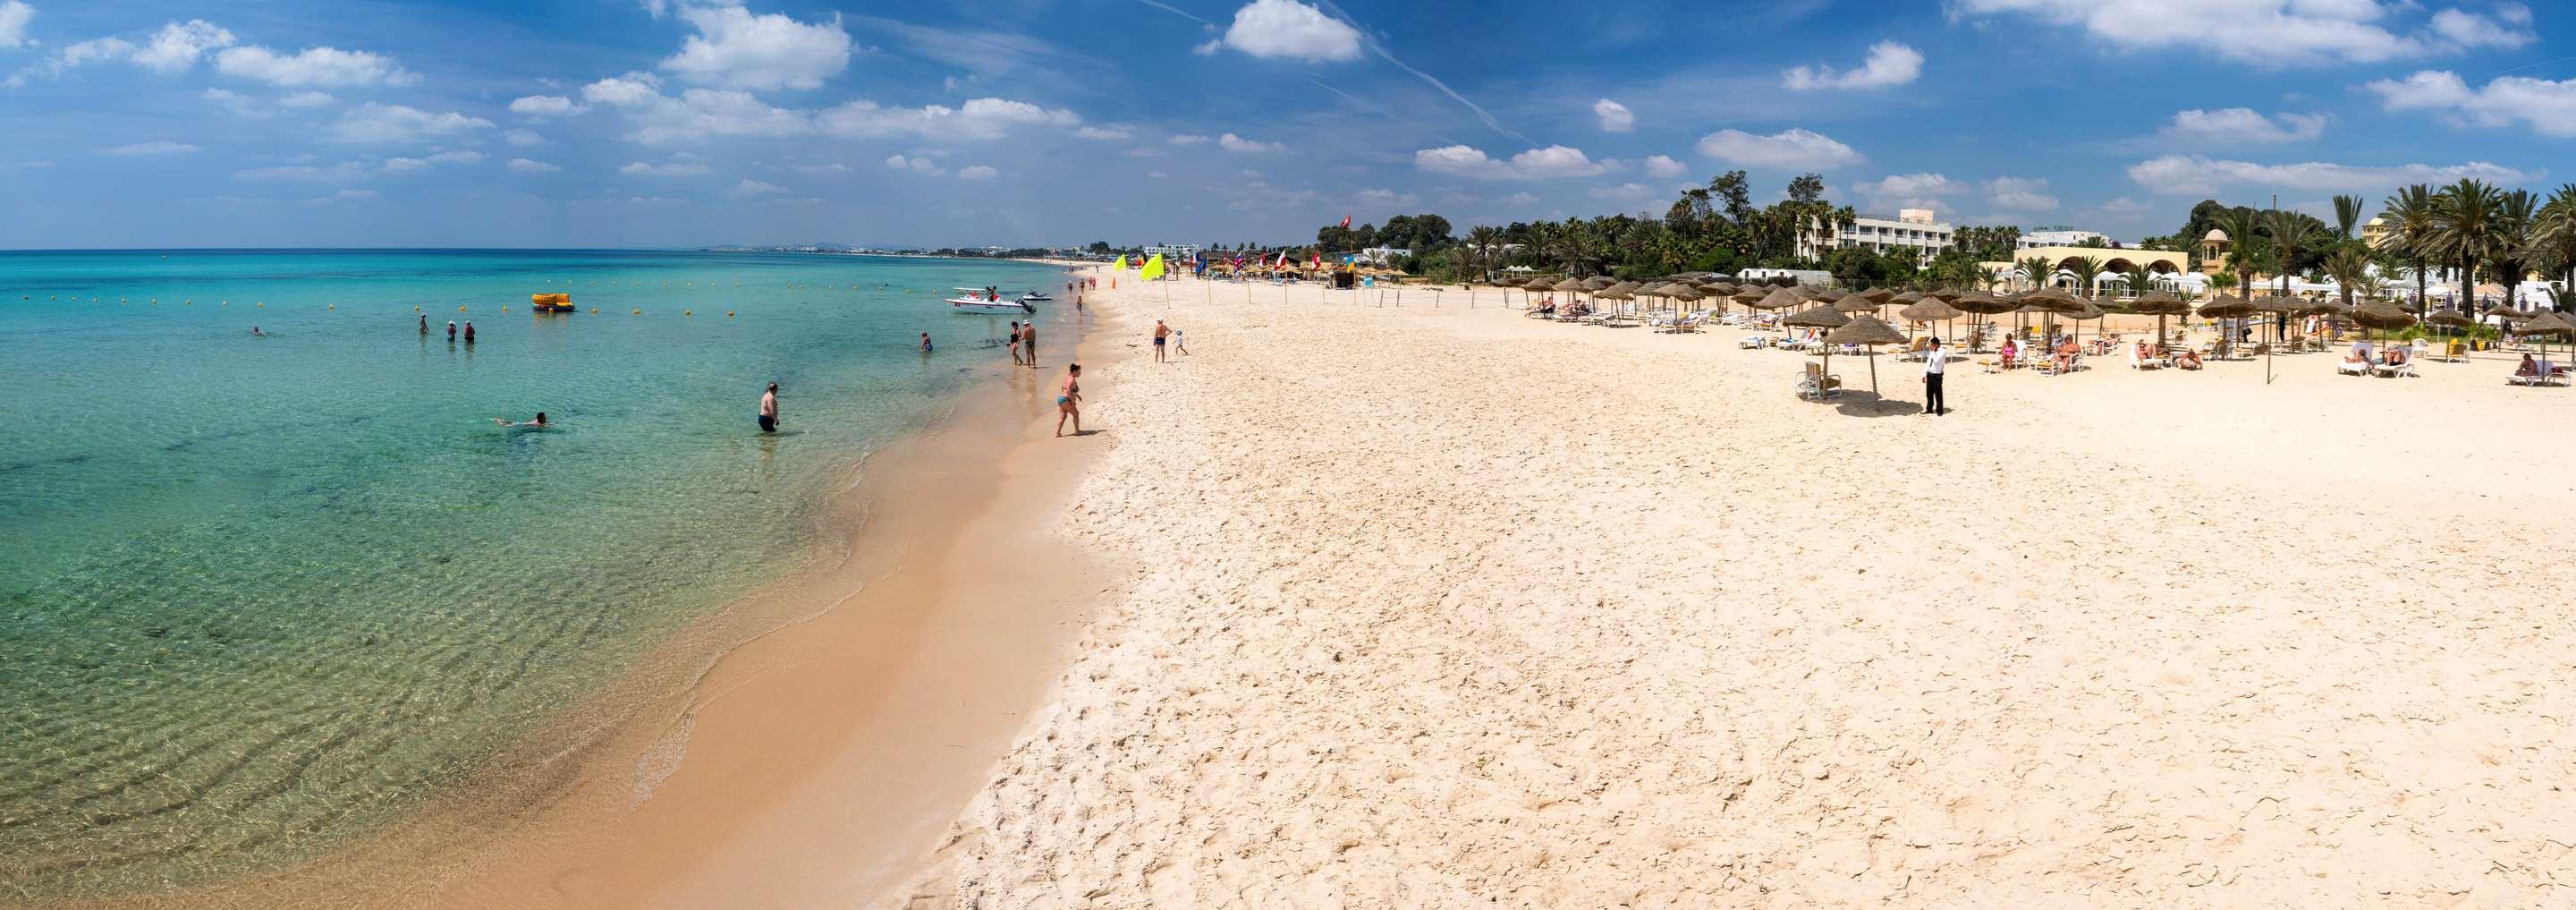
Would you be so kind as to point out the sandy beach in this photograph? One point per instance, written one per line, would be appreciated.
(1446, 607)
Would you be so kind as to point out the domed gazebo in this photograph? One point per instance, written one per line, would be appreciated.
(2213, 250)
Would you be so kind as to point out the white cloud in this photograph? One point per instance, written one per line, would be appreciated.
(529, 166)
(459, 156)
(2021, 194)
(1534, 164)
(522, 137)
(623, 91)
(701, 113)
(544, 106)
(152, 148)
(397, 165)
(976, 172)
(1187, 139)
(1104, 132)
(2548, 106)
(306, 99)
(1380, 197)
(1890, 64)
(1665, 167)
(313, 66)
(917, 165)
(376, 122)
(735, 49)
(830, 168)
(2195, 174)
(1242, 146)
(2123, 207)
(178, 45)
(750, 187)
(342, 196)
(1518, 199)
(1908, 190)
(2271, 33)
(981, 118)
(1288, 29)
(13, 23)
(1614, 117)
(1788, 149)
(2244, 125)
(346, 170)
(1625, 192)
(671, 169)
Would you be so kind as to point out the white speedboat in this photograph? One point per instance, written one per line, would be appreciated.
(973, 302)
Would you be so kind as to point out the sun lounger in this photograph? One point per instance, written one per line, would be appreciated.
(2393, 370)
(1750, 342)
(2351, 368)
(2143, 363)
(1916, 350)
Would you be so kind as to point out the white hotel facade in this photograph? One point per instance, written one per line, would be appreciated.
(1913, 228)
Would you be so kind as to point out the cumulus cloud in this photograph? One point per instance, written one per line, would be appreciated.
(307, 99)
(13, 23)
(378, 122)
(736, 49)
(522, 137)
(1625, 192)
(346, 170)
(544, 106)
(668, 169)
(313, 66)
(152, 148)
(2271, 33)
(750, 187)
(530, 166)
(397, 165)
(624, 91)
(1787, 149)
(1104, 132)
(2195, 174)
(2547, 106)
(342, 196)
(915, 165)
(1614, 117)
(2021, 194)
(1534, 164)
(2244, 125)
(976, 172)
(1665, 166)
(1242, 146)
(981, 118)
(1187, 139)
(1907, 190)
(1290, 30)
(1890, 64)
(178, 45)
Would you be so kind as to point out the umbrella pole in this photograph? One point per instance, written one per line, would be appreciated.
(1873, 371)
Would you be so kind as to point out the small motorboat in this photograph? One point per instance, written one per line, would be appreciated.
(1035, 295)
(974, 302)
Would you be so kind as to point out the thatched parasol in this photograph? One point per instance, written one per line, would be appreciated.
(2227, 308)
(2381, 314)
(1864, 330)
(1856, 302)
(1927, 309)
(2544, 326)
(2160, 304)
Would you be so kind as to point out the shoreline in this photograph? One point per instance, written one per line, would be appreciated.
(855, 690)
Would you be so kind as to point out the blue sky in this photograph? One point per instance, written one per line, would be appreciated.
(673, 123)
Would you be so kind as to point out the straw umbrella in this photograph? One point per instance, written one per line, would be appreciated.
(1983, 304)
(2279, 308)
(1571, 287)
(2227, 308)
(1856, 302)
(1865, 330)
(1683, 292)
(2160, 304)
(2381, 314)
(1779, 299)
(2544, 326)
(2085, 309)
(1618, 291)
(1819, 317)
(1928, 310)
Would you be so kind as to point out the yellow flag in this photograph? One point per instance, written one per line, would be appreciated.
(1120, 265)
(1153, 268)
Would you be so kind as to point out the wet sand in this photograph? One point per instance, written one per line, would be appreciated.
(813, 761)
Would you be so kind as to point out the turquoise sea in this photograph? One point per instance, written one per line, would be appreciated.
(259, 595)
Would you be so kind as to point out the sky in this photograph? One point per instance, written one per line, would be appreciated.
(672, 123)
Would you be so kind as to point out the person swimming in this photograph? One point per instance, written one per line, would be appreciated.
(537, 424)
(256, 333)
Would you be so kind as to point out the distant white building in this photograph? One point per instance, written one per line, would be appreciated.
(1812, 277)
(1382, 255)
(1172, 251)
(1879, 233)
(2059, 235)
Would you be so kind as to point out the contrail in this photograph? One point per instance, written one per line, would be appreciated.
(1174, 10)
(1372, 108)
(1380, 50)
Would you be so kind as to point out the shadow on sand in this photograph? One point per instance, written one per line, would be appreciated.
(1868, 404)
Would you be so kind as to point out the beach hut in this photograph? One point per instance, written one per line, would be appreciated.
(1865, 330)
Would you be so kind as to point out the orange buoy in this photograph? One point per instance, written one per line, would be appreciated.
(639, 311)
(728, 313)
(688, 312)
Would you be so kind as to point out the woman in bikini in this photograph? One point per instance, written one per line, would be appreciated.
(1068, 401)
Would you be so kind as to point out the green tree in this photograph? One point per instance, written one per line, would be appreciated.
(2511, 247)
(2409, 226)
(2464, 230)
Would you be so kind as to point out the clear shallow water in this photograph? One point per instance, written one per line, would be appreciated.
(258, 595)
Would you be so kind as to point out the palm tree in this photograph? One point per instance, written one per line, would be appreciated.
(2141, 280)
(2290, 235)
(2037, 270)
(2464, 230)
(2086, 268)
(2511, 250)
(2347, 215)
(2241, 226)
(1484, 246)
(1988, 278)
(2348, 265)
(2410, 220)
(2553, 239)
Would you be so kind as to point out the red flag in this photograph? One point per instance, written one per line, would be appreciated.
(1346, 221)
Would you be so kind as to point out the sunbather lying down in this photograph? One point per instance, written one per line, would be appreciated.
(2188, 359)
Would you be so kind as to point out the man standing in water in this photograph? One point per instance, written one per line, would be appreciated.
(1029, 343)
(769, 409)
(451, 329)
(424, 323)
(469, 331)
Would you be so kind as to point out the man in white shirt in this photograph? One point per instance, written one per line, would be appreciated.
(1935, 362)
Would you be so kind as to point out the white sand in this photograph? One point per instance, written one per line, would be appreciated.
(1453, 608)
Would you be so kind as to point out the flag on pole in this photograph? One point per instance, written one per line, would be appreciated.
(1120, 265)
(1153, 268)
(1346, 221)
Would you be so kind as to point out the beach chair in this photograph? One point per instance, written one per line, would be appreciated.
(2526, 374)
(2350, 368)
(1750, 342)
(2142, 363)
(2386, 370)
(1817, 383)
(2457, 352)
(1916, 350)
